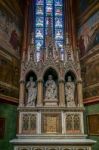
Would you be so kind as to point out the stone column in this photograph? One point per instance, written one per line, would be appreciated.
(40, 93)
(79, 93)
(61, 93)
(22, 93)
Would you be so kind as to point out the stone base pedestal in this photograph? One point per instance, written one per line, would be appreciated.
(49, 143)
(48, 128)
(51, 102)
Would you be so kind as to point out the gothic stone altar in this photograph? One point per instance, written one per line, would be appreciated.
(51, 107)
(50, 100)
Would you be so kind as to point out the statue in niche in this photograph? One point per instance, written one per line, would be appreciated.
(51, 88)
(70, 92)
(32, 92)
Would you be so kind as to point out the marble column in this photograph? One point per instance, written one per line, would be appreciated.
(22, 94)
(40, 93)
(79, 93)
(61, 93)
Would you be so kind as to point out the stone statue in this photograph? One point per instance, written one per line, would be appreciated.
(32, 92)
(51, 89)
(70, 92)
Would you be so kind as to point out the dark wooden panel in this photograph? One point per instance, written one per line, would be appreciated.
(93, 124)
(2, 127)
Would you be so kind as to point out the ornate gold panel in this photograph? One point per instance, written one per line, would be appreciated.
(51, 123)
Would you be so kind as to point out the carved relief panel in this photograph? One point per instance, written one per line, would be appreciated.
(28, 123)
(73, 122)
(53, 148)
(51, 123)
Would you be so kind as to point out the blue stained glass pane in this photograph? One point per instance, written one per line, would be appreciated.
(39, 33)
(49, 10)
(46, 31)
(58, 22)
(58, 2)
(58, 11)
(39, 2)
(59, 34)
(39, 10)
(39, 22)
(49, 2)
(44, 9)
(47, 22)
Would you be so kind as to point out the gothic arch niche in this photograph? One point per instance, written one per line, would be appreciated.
(50, 91)
(70, 89)
(31, 89)
(72, 74)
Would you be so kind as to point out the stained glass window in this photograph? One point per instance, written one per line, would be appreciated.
(43, 10)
